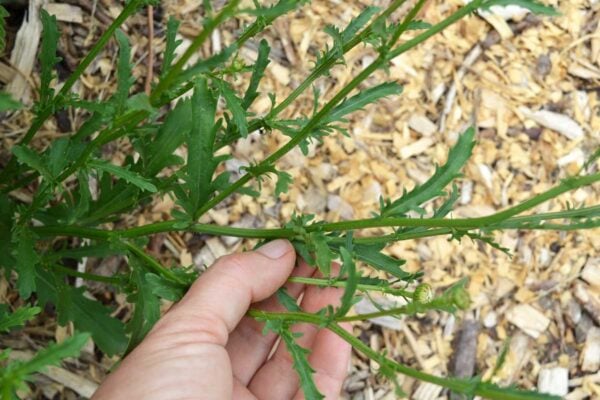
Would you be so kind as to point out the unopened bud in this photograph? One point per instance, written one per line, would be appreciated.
(423, 293)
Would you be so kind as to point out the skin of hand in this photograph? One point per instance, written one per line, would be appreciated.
(206, 348)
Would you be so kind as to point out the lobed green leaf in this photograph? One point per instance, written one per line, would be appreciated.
(123, 173)
(18, 318)
(48, 58)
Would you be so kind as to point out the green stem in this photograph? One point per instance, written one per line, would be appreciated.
(153, 264)
(468, 387)
(342, 284)
(90, 277)
(353, 84)
(209, 27)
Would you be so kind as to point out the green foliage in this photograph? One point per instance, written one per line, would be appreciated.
(7, 103)
(48, 58)
(434, 187)
(14, 375)
(3, 15)
(78, 190)
(17, 318)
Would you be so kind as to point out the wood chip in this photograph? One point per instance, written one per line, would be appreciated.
(422, 124)
(528, 319)
(557, 122)
(591, 272)
(415, 148)
(65, 12)
(554, 381)
(590, 302)
(590, 357)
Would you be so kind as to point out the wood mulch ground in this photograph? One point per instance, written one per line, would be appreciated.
(533, 87)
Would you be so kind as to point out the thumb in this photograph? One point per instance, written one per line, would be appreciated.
(221, 296)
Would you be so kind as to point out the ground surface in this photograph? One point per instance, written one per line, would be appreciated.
(494, 72)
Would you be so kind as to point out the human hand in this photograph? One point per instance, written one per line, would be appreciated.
(205, 348)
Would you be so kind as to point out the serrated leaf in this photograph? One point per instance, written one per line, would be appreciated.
(48, 58)
(58, 156)
(171, 44)
(146, 306)
(434, 187)
(234, 106)
(300, 362)
(372, 255)
(13, 376)
(357, 23)
(7, 247)
(349, 267)
(27, 259)
(17, 318)
(258, 72)
(533, 6)
(32, 159)
(362, 99)
(87, 315)
(323, 254)
(200, 140)
(7, 103)
(124, 76)
(123, 173)
(283, 182)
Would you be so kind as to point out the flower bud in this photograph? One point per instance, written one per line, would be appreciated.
(423, 293)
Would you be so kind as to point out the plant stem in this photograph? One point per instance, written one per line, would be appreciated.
(209, 27)
(90, 277)
(468, 387)
(153, 264)
(341, 284)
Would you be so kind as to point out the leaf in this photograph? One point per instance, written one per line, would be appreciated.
(357, 23)
(87, 315)
(58, 156)
(7, 212)
(48, 58)
(3, 15)
(533, 6)
(200, 140)
(171, 134)
(27, 260)
(29, 157)
(418, 25)
(164, 288)
(146, 306)
(362, 99)
(7, 103)
(234, 106)
(17, 318)
(16, 373)
(287, 301)
(171, 45)
(123, 173)
(323, 254)
(125, 78)
(300, 361)
(372, 255)
(283, 182)
(258, 73)
(349, 267)
(457, 157)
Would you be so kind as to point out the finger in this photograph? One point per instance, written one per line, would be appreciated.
(330, 358)
(248, 348)
(277, 379)
(218, 300)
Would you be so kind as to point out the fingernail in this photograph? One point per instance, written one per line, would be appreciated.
(274, 249)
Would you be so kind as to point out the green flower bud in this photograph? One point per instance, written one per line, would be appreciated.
(461, 298)
(423, 293)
